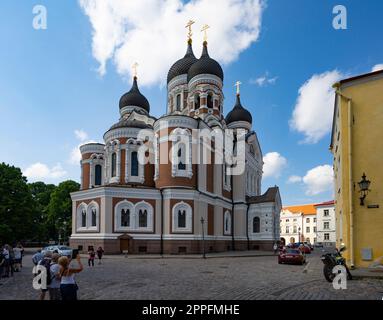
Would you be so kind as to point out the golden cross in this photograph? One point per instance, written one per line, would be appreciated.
(204, 29)
(188, 25)
(134, 67)
(237, 84)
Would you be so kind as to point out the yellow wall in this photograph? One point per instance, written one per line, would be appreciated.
(367, 156)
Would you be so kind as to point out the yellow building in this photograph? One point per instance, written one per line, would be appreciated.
(357, 147)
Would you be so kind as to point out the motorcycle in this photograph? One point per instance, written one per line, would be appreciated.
(330, 260)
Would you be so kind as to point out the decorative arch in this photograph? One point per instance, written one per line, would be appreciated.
(182, 218)
(124, 209)
(181, 153)
(144, 216)
(93, 213)
(81, 217)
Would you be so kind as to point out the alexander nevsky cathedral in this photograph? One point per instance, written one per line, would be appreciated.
(186, 182)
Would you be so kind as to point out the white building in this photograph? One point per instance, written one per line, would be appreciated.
(326, 224)
(298, 223)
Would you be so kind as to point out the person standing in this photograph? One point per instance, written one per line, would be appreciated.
(2, 262)
(37, 257)
(54, 287)
(18, 254)
(68, 285)
(100, 252)
(92, 255)
(8, 266)
(46, 262)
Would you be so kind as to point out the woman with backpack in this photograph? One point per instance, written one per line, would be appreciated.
(100, 252)
(92, 255)
(68, 285)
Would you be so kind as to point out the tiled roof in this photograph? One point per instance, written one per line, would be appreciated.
(269, 196)
(305, 209)
(326, 203)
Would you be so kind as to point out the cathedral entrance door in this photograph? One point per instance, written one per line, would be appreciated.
(125, 243)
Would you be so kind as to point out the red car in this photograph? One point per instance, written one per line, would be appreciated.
(304, 248)
(293, 256)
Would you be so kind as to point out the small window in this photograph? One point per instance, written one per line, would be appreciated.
(295, 229)
(256, 225)
(125, 218)
(181, 219)
(114, 165)
(287, 229)
(94, 217)
(134, 164)
(308, 229)
(209, 101)
(83, 218)
(178, 102)
(326, 212)
(315, 219)
(143, 219)
(307, 220)
(326, 225)
(315, 229)
(98, 175)
(181, 160)
(327, 236)
(196, 102)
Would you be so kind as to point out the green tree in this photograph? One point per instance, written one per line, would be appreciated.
(16, 205)
(60, 207)
(41, 195)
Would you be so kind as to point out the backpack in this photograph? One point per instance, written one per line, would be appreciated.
(47, 264)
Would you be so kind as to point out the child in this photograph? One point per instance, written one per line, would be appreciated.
(92, 255)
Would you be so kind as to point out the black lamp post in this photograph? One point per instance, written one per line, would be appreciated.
(363, 186)
(203, 238)
(299, 234)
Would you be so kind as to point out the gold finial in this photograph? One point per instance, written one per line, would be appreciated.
(134, 67)
(190, 33)
(204, 29)
(237, 84)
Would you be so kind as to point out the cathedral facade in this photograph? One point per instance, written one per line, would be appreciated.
(152, 188)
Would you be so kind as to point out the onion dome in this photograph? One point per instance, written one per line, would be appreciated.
(123, 123)
(238, 113)
(134, 98)
(205, 65)
(183, 65)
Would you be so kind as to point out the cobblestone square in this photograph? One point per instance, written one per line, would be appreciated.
(247, 278)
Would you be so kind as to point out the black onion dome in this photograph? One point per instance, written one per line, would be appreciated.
(238, 113)
(205, 65)
(134, 98)
(183, 65)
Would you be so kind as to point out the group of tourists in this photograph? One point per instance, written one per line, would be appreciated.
(11, 258)
(59, 276)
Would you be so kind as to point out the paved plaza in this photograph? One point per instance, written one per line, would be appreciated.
(248, 278)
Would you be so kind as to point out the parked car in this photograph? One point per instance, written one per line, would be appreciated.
(318, 245)
(293, 256)
(305, 248)
(62, 250)
(309, 245)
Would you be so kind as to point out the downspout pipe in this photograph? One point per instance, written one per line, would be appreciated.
(162, 224)
(247, 226)
(351, 185)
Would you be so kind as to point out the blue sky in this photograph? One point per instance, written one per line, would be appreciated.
(50, 86)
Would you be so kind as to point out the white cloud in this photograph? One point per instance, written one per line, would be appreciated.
(313, 111)
(294, 179)
(377, 67)
(319, 180)
(274, 163)
(152, 32)
(264, 80)
(81, 135)
(75, 154)
(40, 171)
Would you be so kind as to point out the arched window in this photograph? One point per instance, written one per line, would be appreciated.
(143, 218)
(209, 100)
(134, 164)
(181, 218)
(94, 217)
(125, 217)
(114, 164)
(98, 174)
(181, 158)
(256, 225)
(196, 102)
(83, 218)
(178, 102)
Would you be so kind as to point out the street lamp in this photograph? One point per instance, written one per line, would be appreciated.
(203, 237)
(363, 186)
(299, 234)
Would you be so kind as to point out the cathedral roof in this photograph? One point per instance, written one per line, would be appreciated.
(205, 65)
(134, 98)
(183, 65)
(239, 113)
(269, 196)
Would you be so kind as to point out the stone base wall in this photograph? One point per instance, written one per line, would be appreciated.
(171, 246)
